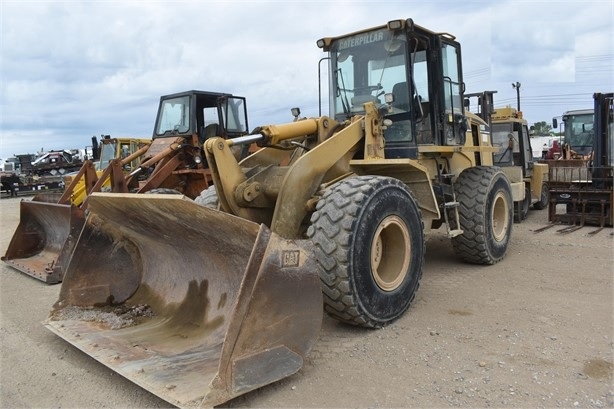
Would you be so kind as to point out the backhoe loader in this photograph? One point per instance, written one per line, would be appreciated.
(200, 303)
(171, 162)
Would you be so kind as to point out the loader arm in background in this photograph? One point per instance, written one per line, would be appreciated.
(118, 181)
(160, 149)
(86, 181)
(88, 172)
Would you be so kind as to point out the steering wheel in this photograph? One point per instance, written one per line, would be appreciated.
(368, 88)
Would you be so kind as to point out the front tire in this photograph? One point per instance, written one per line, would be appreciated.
(369, 240)
(486, 212)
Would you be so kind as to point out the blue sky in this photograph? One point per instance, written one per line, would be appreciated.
(70, 70)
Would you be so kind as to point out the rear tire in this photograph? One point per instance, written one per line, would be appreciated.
(544, 198)
(208, 198)
(486, 212)
(164, 191)
(369, 246)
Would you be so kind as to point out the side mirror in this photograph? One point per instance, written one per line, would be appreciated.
(296, 112)
(555, 123)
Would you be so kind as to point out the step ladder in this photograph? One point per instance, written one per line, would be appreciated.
(449, 206)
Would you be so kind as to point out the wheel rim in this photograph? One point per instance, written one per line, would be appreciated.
(390, 253)
(500, 219)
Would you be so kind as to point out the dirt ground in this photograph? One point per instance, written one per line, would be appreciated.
(535, 330)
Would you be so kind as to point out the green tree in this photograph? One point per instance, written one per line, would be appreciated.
(542, 128)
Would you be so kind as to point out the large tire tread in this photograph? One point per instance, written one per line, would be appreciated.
(208, 198)
(332, 231)
(473, 187)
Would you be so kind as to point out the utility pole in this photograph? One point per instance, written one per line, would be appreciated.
(517, 86)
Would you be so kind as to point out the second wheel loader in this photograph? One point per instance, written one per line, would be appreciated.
(202, 303)
(172, 161)
(510, 133)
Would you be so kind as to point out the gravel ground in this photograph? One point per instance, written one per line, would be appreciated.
(535, 330)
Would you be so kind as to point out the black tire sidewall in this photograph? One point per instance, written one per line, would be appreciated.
(544, 198)
(476, 189)
(526, 204)
(521, 209)
(497, 249)
(383, 306)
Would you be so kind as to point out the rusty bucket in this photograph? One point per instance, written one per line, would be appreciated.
(192, 304)
(44, 238)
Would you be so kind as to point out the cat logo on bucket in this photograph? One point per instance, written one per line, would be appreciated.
(290, 258)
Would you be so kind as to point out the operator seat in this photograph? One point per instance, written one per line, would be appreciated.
(401, 96)
(209, 131)
(423, 125)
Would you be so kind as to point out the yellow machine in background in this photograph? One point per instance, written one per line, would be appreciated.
(510, 131)
(128, 150)
(510, 134)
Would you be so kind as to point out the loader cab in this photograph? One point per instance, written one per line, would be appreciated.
(201, 114)
(414, 77)
(510, 133)
(578, 131)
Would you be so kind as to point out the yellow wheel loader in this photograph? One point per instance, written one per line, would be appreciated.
(510, 133)
(171, 162)
(199, 301)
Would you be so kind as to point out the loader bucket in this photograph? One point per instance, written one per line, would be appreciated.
(44, 238)
(192, 304)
